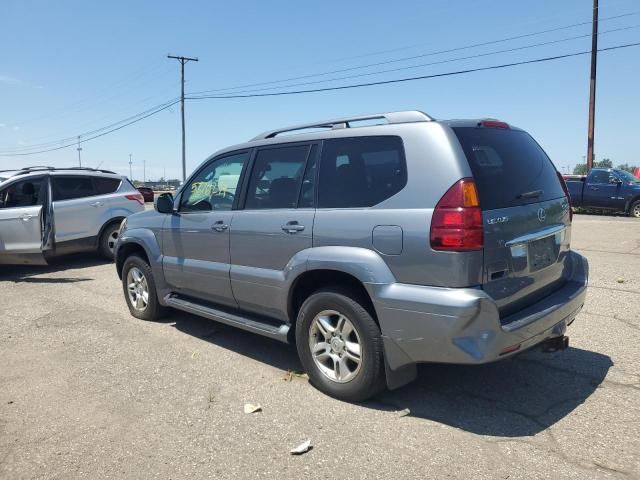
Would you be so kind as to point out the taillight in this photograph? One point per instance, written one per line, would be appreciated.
(566, 192)
(456, 224)
(137, 197)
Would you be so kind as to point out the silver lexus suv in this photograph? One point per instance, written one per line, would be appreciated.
(46, 212)
(374, 243)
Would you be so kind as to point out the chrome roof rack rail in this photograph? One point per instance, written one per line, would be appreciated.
(409, 116)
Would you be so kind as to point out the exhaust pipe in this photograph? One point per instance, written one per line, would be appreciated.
(555, 344)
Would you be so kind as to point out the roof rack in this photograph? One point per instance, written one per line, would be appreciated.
(409, 116)
(41, 168)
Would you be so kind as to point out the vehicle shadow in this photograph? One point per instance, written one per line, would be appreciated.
(261, 349)
(516, 397)
(29, 273)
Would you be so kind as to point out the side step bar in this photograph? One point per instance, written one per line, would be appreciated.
(246, 322)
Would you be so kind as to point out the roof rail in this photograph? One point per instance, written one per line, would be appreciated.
(44, 168)
(409, 116)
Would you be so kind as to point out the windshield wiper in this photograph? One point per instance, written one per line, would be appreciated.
(532, 194)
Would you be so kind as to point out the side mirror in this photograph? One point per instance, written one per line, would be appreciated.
(615, 181)
(164, 203)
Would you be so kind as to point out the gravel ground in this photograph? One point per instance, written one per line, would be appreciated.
(87, 391)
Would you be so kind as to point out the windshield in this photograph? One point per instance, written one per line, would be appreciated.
(627, 176)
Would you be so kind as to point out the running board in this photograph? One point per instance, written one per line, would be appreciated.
(247, 322)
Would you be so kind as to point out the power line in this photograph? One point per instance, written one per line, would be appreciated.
(409, 79)
(95, 136)
(413, 57)
(91, 132)
(439, 62)
(326, 89)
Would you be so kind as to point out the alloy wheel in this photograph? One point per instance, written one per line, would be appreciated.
(137, 289)
(335, 346)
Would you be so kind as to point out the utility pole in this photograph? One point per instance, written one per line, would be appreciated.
(79, 150)
(592, 86)
(144, 172)
(130, 174)
(182, 61)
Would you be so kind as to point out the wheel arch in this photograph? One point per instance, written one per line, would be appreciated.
(105, 225)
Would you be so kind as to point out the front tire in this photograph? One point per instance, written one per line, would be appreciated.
(634, 211)
(340, 345)
(140, 289)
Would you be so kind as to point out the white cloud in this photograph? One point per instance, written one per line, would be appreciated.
(9, 80)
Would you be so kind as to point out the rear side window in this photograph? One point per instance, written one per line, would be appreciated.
(509, 167)
(276, 177)
(68, 188)
(106, 185)
(361, 171)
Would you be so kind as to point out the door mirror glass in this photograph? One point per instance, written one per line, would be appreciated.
(164, 203)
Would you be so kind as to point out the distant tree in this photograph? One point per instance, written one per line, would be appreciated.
(580, 169)
(626, 167)
(604, 163)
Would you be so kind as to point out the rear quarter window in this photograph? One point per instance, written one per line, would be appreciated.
(106, 185)
(506, 164)
(361, 171)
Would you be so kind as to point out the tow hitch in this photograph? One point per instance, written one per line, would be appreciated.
(555, 344)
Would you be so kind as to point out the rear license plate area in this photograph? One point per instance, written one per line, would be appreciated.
(542, 253)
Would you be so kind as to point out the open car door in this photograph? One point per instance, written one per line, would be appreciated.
(26, 222)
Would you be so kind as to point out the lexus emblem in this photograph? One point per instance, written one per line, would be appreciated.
(542, 215)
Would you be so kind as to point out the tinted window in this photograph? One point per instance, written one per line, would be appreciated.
(214, 187)
(67, 188)
(21, 194)
(276, 177)
(506, 164)
(361, 171)
(106, 185)
(308, 190)
(601, 176)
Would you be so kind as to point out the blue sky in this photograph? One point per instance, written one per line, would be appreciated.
(72, 66)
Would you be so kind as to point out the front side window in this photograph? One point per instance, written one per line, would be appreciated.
(21, 194)
(276, 177)
(600, 176)
(73, 186)
(361, 171)
(215, 186)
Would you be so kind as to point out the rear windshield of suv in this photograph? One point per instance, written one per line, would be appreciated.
(508, 166)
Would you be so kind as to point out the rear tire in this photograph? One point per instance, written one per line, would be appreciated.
(139, 289)
(634, 211)
(347, 360)
(108, 240)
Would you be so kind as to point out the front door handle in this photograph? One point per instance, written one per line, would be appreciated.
(26, 217)
(97, 204)
(293, 227)
(593, 188)
(219, 226)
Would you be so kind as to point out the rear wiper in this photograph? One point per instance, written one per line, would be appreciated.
(532, 194)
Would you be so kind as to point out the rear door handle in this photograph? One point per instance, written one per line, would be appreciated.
(219, 226)
(293, 227)
(26, 217)
(97, 204)
(593, 188)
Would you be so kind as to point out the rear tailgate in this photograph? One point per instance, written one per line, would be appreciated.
(525, 214)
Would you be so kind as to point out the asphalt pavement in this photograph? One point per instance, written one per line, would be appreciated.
(87, 391)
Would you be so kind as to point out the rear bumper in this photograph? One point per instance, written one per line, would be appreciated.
(449, 325)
